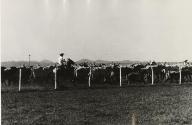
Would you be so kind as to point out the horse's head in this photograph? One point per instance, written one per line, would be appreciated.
(70, 62)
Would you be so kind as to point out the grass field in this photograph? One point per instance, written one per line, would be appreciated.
(151, 105)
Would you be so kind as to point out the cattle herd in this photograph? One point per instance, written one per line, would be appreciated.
(98, 74)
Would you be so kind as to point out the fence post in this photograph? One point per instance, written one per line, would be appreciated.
(55, 77)
(134, 119)
(120, 76)
(89, 82)
(152, 77)
(180, 68)
(19, 79)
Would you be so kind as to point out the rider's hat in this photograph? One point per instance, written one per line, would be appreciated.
(61, 54)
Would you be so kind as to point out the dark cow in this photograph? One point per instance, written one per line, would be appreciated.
(10, 76)
(26, 74)
(43, 75)
(99, 75)
(139, 74)
(104, 74)
(114, 73)
(173, 74)
(3, 75)
(160, 73)
(125, 71)
(186, 74)
(81, 74)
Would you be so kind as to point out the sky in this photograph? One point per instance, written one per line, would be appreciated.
(142, 30)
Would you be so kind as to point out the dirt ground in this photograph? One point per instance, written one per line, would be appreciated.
(150, 105)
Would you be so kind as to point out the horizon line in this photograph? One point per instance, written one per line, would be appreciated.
(91, 60)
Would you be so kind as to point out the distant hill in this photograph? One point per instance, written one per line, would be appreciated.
(48, 62)
(124, 62)
(84, 60)
(26, 63)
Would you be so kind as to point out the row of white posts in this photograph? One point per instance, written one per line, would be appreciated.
(89, 79)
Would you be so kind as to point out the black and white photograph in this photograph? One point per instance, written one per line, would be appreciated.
(96, 62)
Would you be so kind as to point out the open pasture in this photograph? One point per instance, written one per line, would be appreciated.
(149, 105)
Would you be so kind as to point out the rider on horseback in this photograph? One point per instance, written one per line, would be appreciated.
(61, 60)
